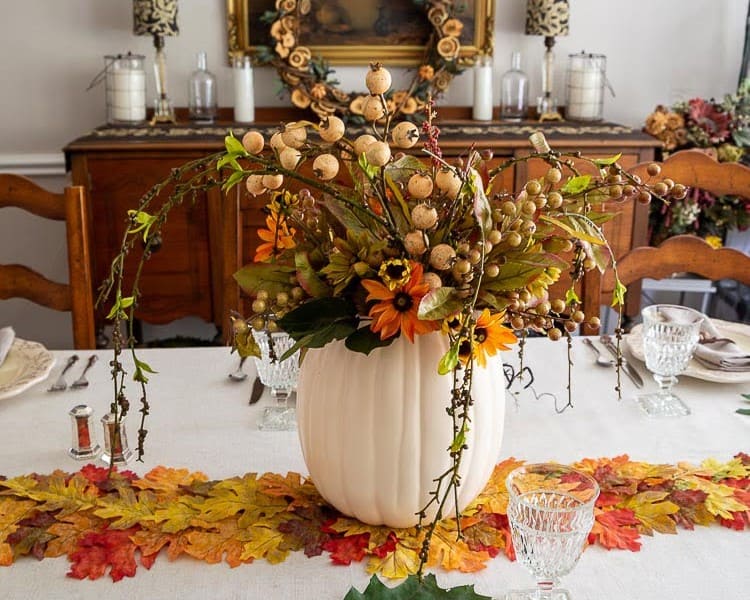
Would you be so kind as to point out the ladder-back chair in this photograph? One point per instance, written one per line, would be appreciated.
(20, 281)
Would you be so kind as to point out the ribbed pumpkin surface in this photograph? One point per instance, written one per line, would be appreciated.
(375, 433)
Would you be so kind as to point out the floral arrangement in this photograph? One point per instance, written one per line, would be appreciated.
(310, 80)
(722, 130)
(365, 243)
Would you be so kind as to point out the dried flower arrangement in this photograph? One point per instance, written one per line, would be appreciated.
(398, 246)
(722, 130)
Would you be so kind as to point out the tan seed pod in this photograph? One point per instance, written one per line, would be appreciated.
(289, 158)
(414, 243)
(424, 217)
(448, 182)
(373, 108)
(378, 154)
(331, 129)
(300, 99)
(294, 135)
(420, 185)
(405, 134)
(433, 280)
(254, 185)
(442, 257)
(378, 79)
(362, 142)
(273, 181)
(276, 142)
(253, 141)
(325, 166)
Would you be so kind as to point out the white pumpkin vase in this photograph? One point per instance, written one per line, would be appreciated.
(375, 432)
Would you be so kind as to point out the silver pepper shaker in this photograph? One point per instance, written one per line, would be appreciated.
(84, 446)
(116, 449)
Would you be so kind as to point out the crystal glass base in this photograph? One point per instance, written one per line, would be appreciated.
(278, 418)
(536, 594)
(662, 405)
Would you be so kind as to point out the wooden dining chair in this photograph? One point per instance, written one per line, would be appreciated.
(20, 281)
(686, 253)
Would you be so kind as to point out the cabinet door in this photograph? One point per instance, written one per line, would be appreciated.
(176, 280)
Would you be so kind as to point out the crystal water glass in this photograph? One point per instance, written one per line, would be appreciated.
(551, 512)
(280, 376)
(670, 335)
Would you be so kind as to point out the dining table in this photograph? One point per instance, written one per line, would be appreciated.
(200, 420)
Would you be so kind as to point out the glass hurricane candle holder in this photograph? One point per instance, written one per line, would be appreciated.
(279, 376)
(551, 512)
(670, 335)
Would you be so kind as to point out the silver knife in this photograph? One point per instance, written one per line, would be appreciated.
(627, 368)
(257, 391)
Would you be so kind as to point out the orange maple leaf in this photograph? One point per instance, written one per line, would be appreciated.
(616, 529)
(167, 482)
(69, 530)
(223, 539)
(299, 492)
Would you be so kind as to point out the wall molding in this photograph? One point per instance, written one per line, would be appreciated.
(33, 164)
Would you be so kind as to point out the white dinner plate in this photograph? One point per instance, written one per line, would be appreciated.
(739, 332)
(27, 363)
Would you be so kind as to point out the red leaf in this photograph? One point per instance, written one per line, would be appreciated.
(616, 529)
(98, 551)
(345, 550)
(688, 498)
(387, 547)
(738, 522)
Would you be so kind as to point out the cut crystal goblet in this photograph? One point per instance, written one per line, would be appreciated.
(551, 512)
(280, 376)
(670, 335)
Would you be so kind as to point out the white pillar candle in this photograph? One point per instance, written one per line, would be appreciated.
(126, 91)
(244, 95)
(482, 110)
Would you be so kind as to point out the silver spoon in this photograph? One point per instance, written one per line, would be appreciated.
(239, 374)
(600, 360)
(82, 382)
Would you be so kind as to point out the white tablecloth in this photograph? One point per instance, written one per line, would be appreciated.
(200, 420)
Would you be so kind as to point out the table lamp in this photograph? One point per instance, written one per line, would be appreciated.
(158, 18)
(548, 18)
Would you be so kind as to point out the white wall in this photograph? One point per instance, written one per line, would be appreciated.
(657, 52)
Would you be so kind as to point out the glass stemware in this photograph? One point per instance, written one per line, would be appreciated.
(670, 335)
(279, 376)
(551, 512)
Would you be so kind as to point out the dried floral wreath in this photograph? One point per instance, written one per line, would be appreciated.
(309, 79)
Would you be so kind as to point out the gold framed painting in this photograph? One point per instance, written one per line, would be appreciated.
(352, 33)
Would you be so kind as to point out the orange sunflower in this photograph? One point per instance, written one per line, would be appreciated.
(277, 238)
(396, 310)
(491, 336)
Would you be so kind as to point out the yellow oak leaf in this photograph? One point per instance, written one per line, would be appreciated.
(716, 470)
(652, 474)
(58, 492)
(720, 499)
(11, 512)
(68, 530)
(151, 541)
(265, 543)
(652, 512)
(300, 492)
(452, 553)
(225, 539)
(167, 482)
(175, 516)
(239, 495)
(403, 561)
(127, 508)
(494, 497)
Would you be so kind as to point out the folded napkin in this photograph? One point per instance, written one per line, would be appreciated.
(7, 335)
(722, 354)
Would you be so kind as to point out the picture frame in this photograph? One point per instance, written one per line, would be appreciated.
(352, 33)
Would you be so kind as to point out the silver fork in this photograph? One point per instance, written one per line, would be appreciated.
(61, 384)
(82, 382)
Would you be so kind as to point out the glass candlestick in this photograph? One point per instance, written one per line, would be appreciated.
(84, 446)
(116, 449)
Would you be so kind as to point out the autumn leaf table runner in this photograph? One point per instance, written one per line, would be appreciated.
(207, 505)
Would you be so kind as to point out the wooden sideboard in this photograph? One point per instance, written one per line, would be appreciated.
(184, 277)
